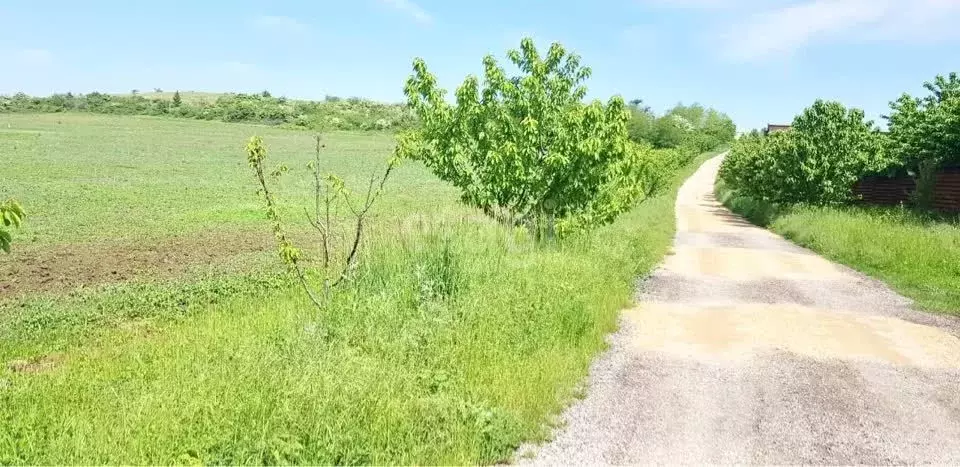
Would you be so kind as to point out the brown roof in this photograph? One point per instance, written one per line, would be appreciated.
(775, 128)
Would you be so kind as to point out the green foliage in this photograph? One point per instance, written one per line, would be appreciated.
(925, 133)
(672, 131)
(11, 216)
(928, 128)
(641, 128)
(756, 211)
(331, 114)
(457, 342)
(525, 149)
(828, 150)
(693, 128)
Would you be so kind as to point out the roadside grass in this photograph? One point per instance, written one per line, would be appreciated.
(917, 255)
(457, 341)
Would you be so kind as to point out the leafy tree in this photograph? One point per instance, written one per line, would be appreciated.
(693, 114)
(177, 100)
(828, 150)
(693, 129)
(718, 128)
(641, 128)
(761, 166)
(11, 215)
(925, 133)
(638, 104)
(525, 149)
(671, 131)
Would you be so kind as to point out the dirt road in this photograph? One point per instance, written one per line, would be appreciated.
(744, 348)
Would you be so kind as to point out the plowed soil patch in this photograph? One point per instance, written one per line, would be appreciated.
(65, 267)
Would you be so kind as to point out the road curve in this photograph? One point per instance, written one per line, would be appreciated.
(746, 349)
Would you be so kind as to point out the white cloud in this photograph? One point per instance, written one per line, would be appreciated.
(411, 9)
(280, 24)
(919, 21)
(33, 57)
(781, 31)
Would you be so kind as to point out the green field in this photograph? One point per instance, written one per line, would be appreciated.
(190, 97)
(917, 255)
(86, 177)
(457, 341)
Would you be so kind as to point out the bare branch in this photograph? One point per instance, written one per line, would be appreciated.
(306, 285)
(351, 258)
(321, 219)
(312, 222)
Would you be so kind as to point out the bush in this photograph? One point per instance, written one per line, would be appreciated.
(695, 129)
(333, 113)
(672, 131)
(642, 124)
(828, 150)
(11, 215)
(525, 149)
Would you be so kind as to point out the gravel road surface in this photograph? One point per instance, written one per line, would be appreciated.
(746, 349)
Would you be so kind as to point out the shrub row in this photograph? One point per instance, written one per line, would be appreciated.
(830, 147)
(331, 114)
(817, 162)
(694, 128)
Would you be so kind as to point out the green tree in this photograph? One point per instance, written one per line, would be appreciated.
(718, 128)
(525, 149)
(11, 215)
(925, 133)
(671, 131)
(641, 128)
(694, 114)
(695, 128)
(828, 150)
(177, 100)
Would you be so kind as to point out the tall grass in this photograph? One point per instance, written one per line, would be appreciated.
(916, 254)
(458, 341)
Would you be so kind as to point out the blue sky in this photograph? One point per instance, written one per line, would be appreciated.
(758, 60)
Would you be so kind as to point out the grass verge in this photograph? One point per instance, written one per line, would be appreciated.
(917, 255)
(457, 342)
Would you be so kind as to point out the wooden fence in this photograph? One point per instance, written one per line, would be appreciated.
(893, 191)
